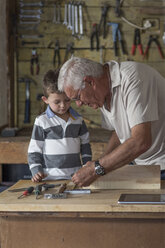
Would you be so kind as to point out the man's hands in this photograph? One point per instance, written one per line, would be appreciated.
(86, 175)
(38, 177)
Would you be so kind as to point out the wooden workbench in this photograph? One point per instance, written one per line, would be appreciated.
(93, 220)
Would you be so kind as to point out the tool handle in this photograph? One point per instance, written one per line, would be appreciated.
(62, 188)
(31, 69)
(27, 111)
(115, 48)
(161, 53)
(122, 47)
(37, 69)
(140, 49)
(28, 191)
(146, 51)
(133, 49)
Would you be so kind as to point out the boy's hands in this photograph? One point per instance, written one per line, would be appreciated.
(38, 177)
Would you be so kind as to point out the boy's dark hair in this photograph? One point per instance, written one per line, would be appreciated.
(50, 82)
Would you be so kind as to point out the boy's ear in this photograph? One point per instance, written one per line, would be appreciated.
(44, 99)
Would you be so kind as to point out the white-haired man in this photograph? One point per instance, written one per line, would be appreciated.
(131, 97)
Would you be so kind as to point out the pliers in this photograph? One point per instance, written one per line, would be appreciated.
(57, 54)
(95, 35)
(153, 38)
(137, 42)
(103, 20)
(69, 50)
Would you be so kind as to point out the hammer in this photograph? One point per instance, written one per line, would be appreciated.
(27, 82)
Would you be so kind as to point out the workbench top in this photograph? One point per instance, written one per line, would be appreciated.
(101, 201)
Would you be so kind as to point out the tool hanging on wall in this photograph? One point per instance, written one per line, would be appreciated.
(137, 42)
(73, 18)
(116, 35)
(37, 4)
(29, 42)
(56, 57)
(27, 11)
(27, 82)
(153, 39)
(57, 13)
(34, 59)
(94, 35)
(35, 36)
(29, 17)
(163, 37)
(69, 50)
(117, 8)
(65, 14)
(80, 7)
(103, 21)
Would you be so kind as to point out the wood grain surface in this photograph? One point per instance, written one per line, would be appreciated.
(130, 177)
(100, 201)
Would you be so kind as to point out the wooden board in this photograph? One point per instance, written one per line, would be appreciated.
(99, 201)
(130, 177)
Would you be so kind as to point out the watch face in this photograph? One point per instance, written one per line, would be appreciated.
(99, 169)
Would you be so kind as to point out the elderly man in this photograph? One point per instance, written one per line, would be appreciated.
(131, 97)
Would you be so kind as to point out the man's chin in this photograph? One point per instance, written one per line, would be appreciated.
(93, 106)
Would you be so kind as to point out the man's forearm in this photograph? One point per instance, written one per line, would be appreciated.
(112, 144)
(138, 143)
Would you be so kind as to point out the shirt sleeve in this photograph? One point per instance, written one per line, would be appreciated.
(85, 149)
(35, 149)
(140, 100)
(106, 122)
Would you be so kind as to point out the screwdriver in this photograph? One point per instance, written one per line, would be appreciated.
(28, 191)
(38, 190)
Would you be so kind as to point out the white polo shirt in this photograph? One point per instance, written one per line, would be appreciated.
(138, 96)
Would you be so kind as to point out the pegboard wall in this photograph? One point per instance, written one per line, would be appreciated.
(48, 32)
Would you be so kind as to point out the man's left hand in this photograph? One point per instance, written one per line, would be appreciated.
(86, 175)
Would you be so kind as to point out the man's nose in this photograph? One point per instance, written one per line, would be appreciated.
(79, 103)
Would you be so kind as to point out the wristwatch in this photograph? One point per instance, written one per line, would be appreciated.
(99, 169)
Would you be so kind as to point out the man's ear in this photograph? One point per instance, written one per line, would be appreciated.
(90, 81)
(44, 99)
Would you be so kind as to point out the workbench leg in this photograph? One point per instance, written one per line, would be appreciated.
(0, 173)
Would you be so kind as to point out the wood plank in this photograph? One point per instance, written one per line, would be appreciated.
(98, 201)
(130, 177)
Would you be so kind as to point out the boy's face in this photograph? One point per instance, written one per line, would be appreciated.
(59, 103)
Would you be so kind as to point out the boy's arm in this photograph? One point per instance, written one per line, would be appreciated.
(85, 149)
(35, 150)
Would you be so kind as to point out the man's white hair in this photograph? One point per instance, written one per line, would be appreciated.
(75, 69)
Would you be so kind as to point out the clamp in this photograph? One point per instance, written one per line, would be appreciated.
(151, 40)
(95, 34)
(34, 59)
(57, 53)
(103, 19)
(137, 42)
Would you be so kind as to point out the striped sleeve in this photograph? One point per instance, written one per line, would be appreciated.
(35, 149)
(86, 153)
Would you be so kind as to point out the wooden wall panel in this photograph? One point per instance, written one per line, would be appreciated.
(131, 10)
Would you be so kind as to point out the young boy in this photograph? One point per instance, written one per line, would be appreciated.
(59, 136)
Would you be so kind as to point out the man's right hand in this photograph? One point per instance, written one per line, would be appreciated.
(86, 175)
